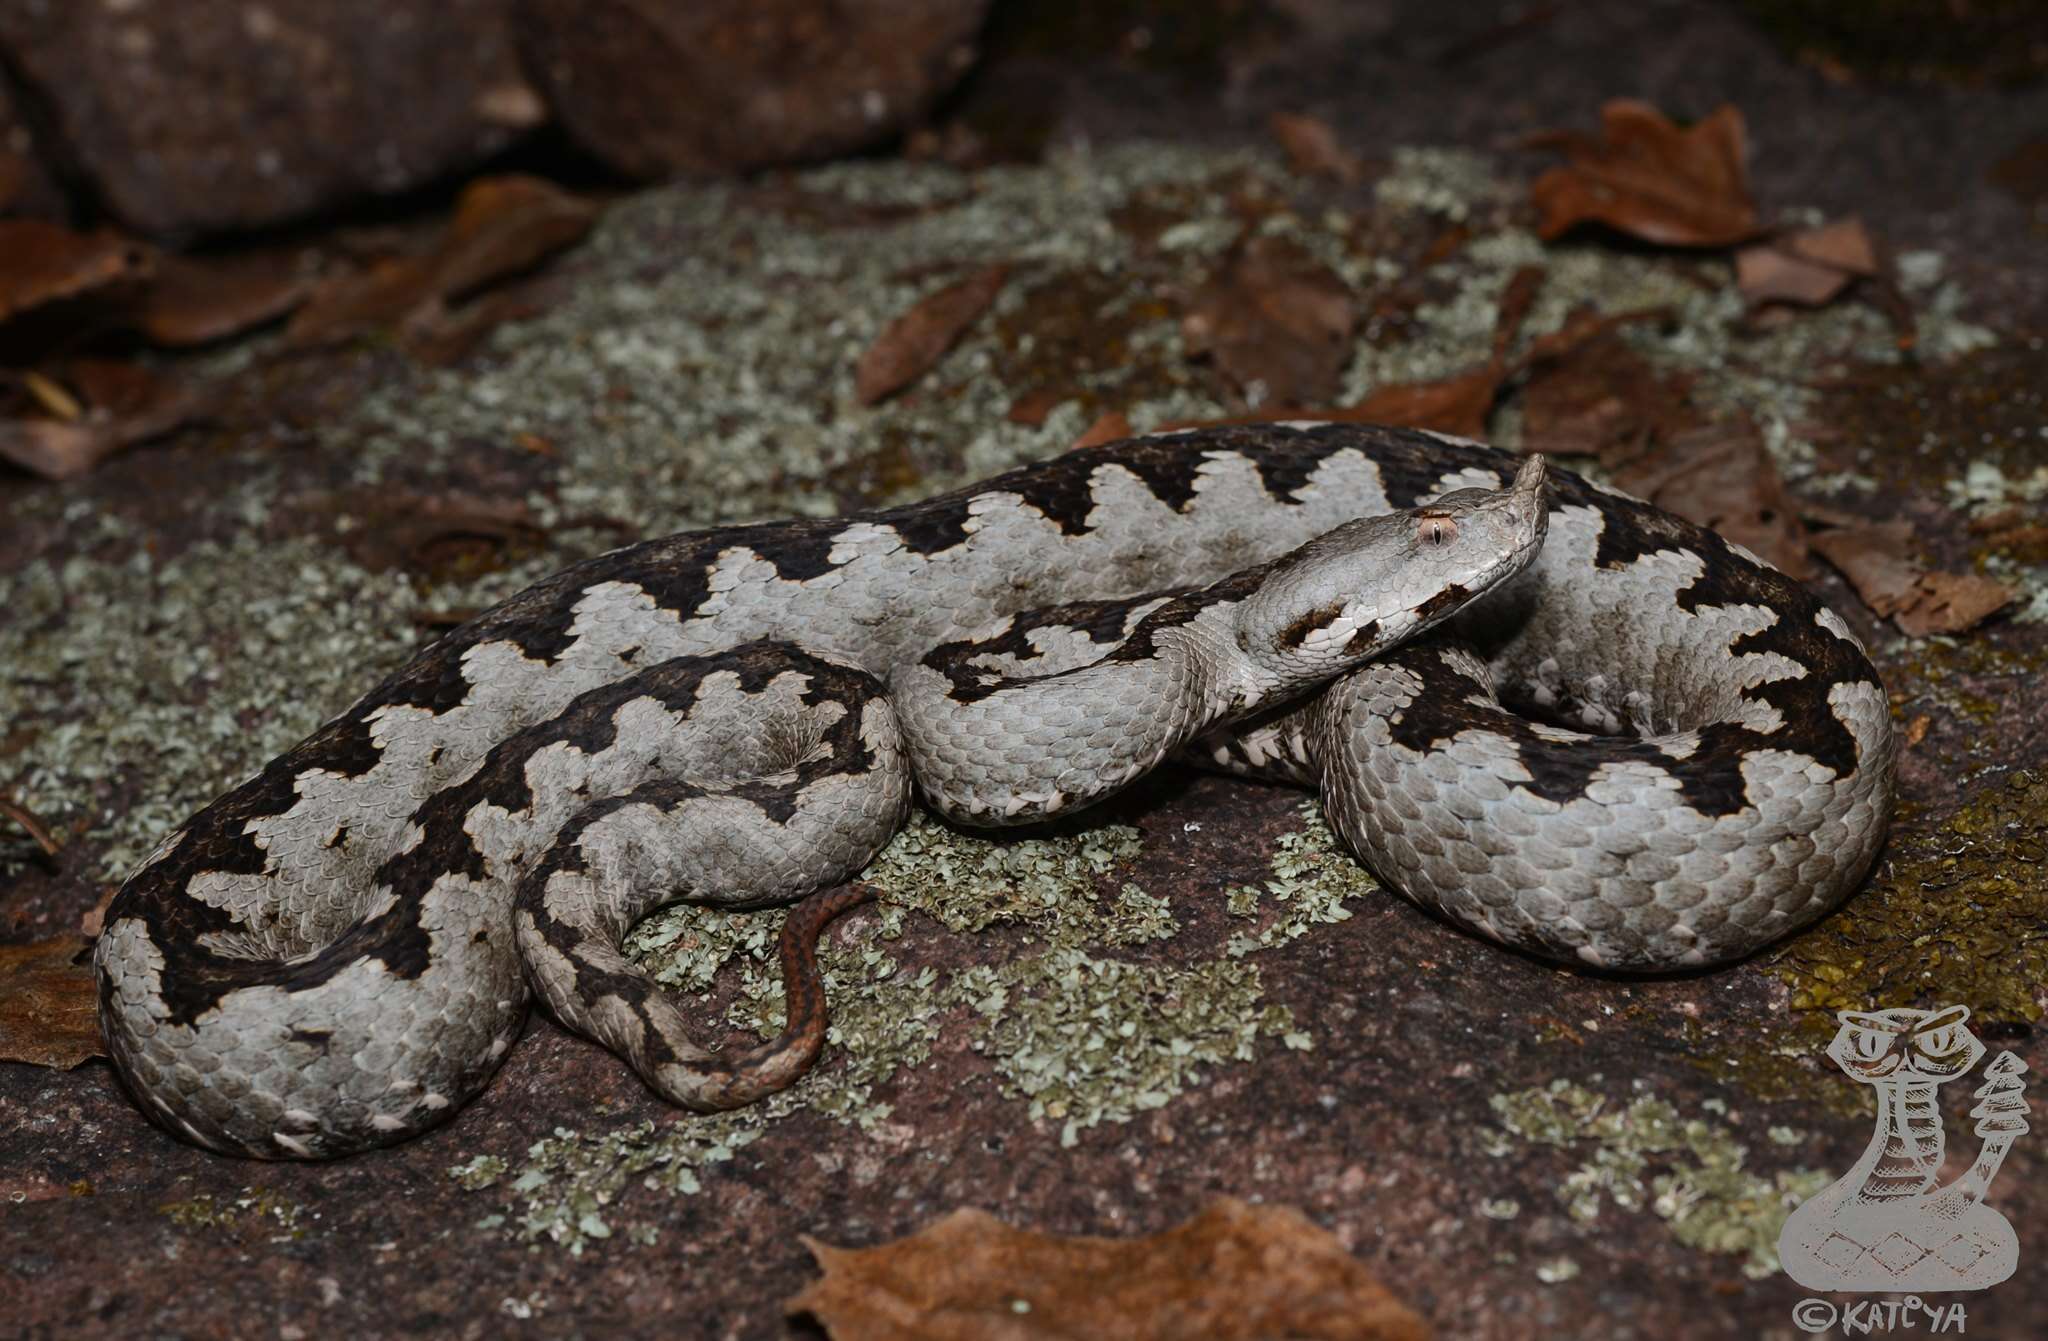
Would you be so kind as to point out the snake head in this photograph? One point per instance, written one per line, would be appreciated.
(1354, 592)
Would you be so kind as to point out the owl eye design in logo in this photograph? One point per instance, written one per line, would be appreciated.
(1884, 1225)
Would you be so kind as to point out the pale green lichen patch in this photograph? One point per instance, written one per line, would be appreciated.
(970, 881)
(1313, 878)
(1643, 1155)
(257, 1210)
(1078, 1034)
(716, 384)
(1089, 1040)
(218, 668)
(567, 1183)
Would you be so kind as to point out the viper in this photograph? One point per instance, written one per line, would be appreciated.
(1551, 713)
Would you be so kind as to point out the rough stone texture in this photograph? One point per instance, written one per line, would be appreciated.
(216, 114)
(658, 88)
(1385, 1128)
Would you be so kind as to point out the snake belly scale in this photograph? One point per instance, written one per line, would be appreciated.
(1554, 714)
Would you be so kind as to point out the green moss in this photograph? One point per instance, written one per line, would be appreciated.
(1643, 1155)
(1960, 913)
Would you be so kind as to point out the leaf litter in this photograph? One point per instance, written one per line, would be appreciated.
(1235, 1272)
(1650, 178)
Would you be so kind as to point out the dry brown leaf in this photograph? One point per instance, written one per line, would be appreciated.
(93, 920)
(1109, 427)
(502, 226)
(1952, 602)
(49, 1006)
(1600, 398)
(1810, 268)
(1875, 557)
(1767, 275)
(1459, 404)
(1721, 476)
(1516, 299)
(1456, 405)
(124, 404)
(195, 300)
(1649, 178)
(909, 346)
(1236, 1272)
(42, 263)
(1036, 405)
(1276, 321)
(440, 534)
(1312, 148)
(1842, 245)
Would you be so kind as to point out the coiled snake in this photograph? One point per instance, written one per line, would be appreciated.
(338, 952)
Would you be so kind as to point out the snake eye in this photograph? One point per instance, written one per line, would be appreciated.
(1436, 532)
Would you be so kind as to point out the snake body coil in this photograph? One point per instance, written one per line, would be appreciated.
(338, 952)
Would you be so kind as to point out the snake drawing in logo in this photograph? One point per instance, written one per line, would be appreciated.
(1884, 1225)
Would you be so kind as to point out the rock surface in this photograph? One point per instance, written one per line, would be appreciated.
(658, 88)
(214, 115)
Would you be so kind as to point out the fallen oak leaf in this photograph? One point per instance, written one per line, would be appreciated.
(1457, 405)
(1516, 298)
(432, 533)
(1600, 398)
(1810, 268)
(1110, 426)
(502, 226)
(1722, 477)
(1649, 178)
(1035, 406)
(1461, 403)
(1236, 1272)
(49, 1004)
(44, 263)
(93, 920)
(1873, 557)
(195, 300)
(1844, 244)
(1312, 148)
(1951, 603)
(909, 346)
(124, 404)
(1275, 321)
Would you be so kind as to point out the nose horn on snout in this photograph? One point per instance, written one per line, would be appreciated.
(1529, 479)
